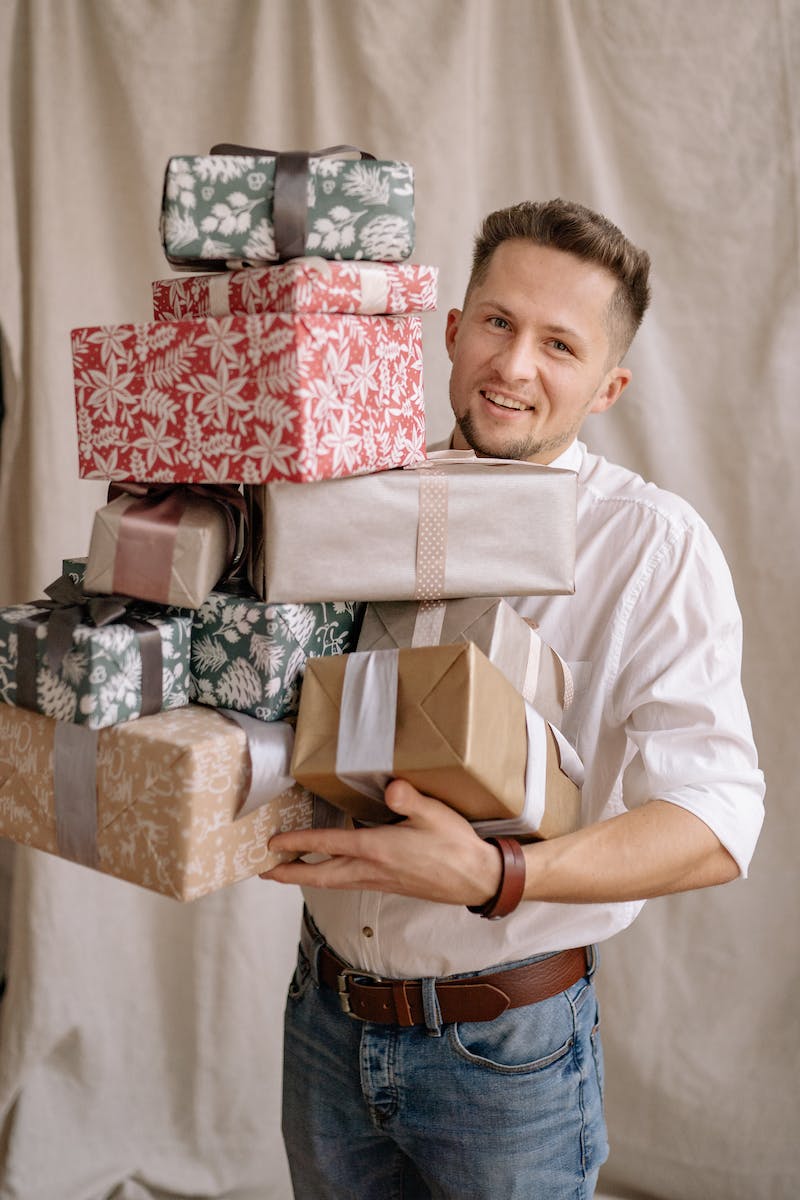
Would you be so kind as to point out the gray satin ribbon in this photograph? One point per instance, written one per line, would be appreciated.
(367, 718)
(75, 792)
(150, 648)
(289, 206)
(269, 744)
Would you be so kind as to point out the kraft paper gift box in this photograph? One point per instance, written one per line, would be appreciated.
(448, 721)
(165, 802)
(167, 545)
(106, 662)
(441, 717)
(537, 672)
(454, 526)
(300, 285)
(246, 399)
(250, 656)
(224, 210)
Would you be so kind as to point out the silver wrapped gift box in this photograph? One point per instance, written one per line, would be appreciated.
(534, 668)
(452, 526)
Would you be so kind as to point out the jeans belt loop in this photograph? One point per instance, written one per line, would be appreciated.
(430, 1006)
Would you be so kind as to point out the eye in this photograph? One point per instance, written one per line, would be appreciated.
(560, 346)
(499, 323)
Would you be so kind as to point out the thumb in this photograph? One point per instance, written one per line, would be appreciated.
(405, 800)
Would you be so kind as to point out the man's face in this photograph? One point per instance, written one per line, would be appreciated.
(531, 353)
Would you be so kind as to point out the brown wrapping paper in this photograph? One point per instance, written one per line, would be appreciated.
(460, 733)
(168, 791)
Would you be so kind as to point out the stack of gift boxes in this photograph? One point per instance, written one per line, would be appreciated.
(272, 513)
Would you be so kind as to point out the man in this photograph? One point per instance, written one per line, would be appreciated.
(454, 1092)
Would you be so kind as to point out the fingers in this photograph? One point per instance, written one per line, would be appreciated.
(316, 841)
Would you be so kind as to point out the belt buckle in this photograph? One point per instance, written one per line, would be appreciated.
(342, 980)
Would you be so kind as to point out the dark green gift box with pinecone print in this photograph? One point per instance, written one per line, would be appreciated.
(101, 678)
(250, 656)
(218, 211)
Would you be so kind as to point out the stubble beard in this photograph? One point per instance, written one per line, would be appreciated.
(523, 449)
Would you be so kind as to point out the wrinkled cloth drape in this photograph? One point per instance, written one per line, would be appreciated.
(140, 1040)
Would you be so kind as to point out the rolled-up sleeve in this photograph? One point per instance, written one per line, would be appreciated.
(679, 693)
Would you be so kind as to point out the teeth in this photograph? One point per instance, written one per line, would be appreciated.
(506, 401)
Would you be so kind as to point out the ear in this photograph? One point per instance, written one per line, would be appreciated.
(451, 329)
(611, 389)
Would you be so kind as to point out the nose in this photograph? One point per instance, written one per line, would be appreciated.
(516, 360)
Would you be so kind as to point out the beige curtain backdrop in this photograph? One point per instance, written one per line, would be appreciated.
(140, 1040)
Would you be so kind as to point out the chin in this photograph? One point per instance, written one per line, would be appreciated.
(495, 443)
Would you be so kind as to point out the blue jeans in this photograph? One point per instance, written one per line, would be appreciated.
(508, 1108)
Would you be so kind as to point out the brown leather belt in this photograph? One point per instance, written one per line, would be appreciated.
(472, 998)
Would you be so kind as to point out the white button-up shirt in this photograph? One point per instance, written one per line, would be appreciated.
(652, 634)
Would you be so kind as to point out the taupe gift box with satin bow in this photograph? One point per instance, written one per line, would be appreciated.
(534, 668)
(459, 733)
(167, 545)
(452, 526)
(162, 798)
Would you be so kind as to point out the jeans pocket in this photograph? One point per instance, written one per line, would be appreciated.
(519, 1041)
(597, 1054)
(301, 977)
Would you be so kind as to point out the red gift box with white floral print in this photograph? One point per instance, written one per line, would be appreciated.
(300, 285)
(249, 399)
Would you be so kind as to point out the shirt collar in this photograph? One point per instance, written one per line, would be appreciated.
(571, 459)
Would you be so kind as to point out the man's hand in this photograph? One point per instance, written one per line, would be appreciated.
(433, 854)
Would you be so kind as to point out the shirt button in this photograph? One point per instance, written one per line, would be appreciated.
(368, 931)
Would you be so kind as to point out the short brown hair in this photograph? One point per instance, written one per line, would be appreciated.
(575, 229)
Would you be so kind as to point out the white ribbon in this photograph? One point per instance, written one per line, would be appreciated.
(531, 683)
(571, 762)
(270, 746)
(569, 683)
(367, 718)
(443, 458)
(219, 300)
(374, 288)
(440, 458)
(532, 815)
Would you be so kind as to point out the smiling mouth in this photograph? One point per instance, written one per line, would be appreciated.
(507, 402)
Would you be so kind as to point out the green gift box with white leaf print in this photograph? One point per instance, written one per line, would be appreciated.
(217, 211)
(251, 656)
(99, 680)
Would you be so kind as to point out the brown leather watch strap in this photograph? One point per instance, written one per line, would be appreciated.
(512, 881)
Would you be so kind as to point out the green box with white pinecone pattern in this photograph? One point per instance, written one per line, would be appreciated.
(217, 210)
(99, 681)
(250, 656)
